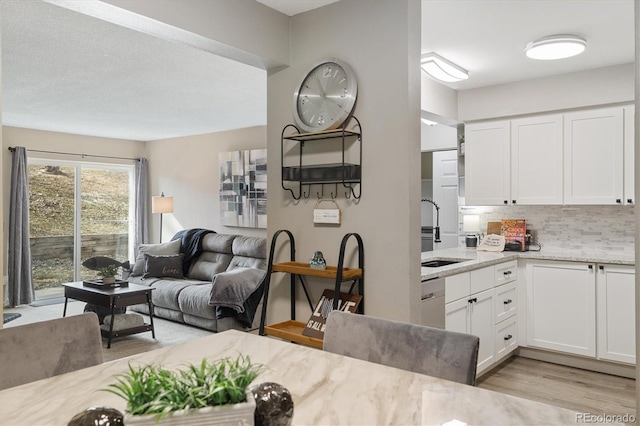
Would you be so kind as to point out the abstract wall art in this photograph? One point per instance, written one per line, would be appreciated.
(243, 188)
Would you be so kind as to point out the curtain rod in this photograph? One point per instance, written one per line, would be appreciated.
(12, 149)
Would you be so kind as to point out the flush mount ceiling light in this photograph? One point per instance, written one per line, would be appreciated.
(555, 47)
(442, 69)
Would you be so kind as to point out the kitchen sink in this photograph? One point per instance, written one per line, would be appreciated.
(436, 263)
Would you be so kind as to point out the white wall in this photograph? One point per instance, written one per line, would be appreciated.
(187, 169)
(437, 98)
(388, 107)
(560, 92)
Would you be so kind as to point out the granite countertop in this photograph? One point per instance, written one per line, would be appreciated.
(473, 259)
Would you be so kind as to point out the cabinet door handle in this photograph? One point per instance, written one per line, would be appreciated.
(506, 302)
(629, 201)
(618, 201)
(474, 300)
(506, 201)
(513, 201)
(601, 267)
(590, 266)
(508, 337)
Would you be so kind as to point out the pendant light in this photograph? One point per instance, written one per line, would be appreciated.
(555, 47)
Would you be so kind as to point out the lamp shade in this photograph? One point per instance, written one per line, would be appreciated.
(471, 223)
(161, 204)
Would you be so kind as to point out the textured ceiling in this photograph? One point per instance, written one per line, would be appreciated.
(68, 72)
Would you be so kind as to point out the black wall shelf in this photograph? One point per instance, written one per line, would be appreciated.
(298, 178)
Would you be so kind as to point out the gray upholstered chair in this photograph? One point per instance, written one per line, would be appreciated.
(439, 353)
(43, 349)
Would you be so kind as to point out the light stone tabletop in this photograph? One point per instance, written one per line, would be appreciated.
(327, 389)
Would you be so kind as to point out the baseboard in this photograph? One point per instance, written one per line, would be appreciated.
(606, 367)
(47, 302)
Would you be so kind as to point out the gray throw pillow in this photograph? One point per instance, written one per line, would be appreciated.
(172, 247)
(163, 266)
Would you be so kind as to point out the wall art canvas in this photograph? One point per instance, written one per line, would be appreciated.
(243, 188)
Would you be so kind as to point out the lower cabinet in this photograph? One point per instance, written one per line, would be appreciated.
(474, 315)
(485, 306)
(561, 306)
(615, 286)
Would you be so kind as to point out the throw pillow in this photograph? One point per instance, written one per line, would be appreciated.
(163, 266)
(172, 247)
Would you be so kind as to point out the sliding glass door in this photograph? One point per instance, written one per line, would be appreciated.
(77, 211)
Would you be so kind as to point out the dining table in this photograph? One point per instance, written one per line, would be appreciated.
(326, 388)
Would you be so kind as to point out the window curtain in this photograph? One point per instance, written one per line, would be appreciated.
(141, 227)
(20, 287)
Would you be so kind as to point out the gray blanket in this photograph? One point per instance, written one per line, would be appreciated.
(232, 288)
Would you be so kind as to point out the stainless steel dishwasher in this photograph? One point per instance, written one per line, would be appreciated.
(432, 303)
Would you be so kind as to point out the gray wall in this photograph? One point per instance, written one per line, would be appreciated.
(387, 65)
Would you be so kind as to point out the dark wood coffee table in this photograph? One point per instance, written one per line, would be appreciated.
(112, 298)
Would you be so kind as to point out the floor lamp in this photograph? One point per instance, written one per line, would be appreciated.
(161, 205)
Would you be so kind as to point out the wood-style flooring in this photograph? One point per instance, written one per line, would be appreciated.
(567, 387)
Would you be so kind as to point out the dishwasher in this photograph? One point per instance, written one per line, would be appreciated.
(432, 303)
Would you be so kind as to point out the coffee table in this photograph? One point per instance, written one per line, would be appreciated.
(112, 298)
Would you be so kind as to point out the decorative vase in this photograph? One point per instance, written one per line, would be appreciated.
(317, 261)
(241, 414)
(109, 280)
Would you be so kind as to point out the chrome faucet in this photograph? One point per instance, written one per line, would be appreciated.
(436, 237)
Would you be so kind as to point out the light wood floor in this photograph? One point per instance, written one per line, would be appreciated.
(573, 388)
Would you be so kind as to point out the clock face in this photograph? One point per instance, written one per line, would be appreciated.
(326, 96)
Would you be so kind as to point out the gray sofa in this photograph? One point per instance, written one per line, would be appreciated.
(229, 268)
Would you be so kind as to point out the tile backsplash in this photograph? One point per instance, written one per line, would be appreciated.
(609, 228)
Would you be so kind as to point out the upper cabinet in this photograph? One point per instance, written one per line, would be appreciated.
(583, 157)
(536, 160)
(629, 141)
(594, 149)
(487, 163)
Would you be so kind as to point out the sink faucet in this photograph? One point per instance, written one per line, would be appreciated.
(436, 238)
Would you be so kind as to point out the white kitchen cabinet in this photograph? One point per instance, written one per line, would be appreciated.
(616, 313)
(506, 302)
(487, 163)
(536, 160)
(561, 306)
(506, 337)
(593, 156)
(629, 143)
(474, 315)
(471, 307)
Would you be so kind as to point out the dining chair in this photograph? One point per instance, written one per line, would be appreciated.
(47, 348)
(444, 354)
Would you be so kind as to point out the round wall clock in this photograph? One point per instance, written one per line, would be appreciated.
(325, 97)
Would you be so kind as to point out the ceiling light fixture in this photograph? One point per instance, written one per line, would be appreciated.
(442, 69)
(555, 47)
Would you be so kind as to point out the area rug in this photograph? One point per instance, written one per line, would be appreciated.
(168, 333)
(10, 317)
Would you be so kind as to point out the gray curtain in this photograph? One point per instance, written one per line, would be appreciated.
(142, 196)
(20, 288)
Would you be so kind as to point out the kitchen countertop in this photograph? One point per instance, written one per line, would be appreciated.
(473, 259)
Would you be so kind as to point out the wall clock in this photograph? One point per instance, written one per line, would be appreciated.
(325, 97)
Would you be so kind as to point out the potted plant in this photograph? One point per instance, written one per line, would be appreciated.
(108, 274)
(216, 391)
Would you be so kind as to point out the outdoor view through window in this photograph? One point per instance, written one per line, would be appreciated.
(76, 211)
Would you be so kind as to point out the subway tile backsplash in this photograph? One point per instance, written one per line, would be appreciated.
(609, 228)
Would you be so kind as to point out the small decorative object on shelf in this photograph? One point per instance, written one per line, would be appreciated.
(317, 261)
(274, 405)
